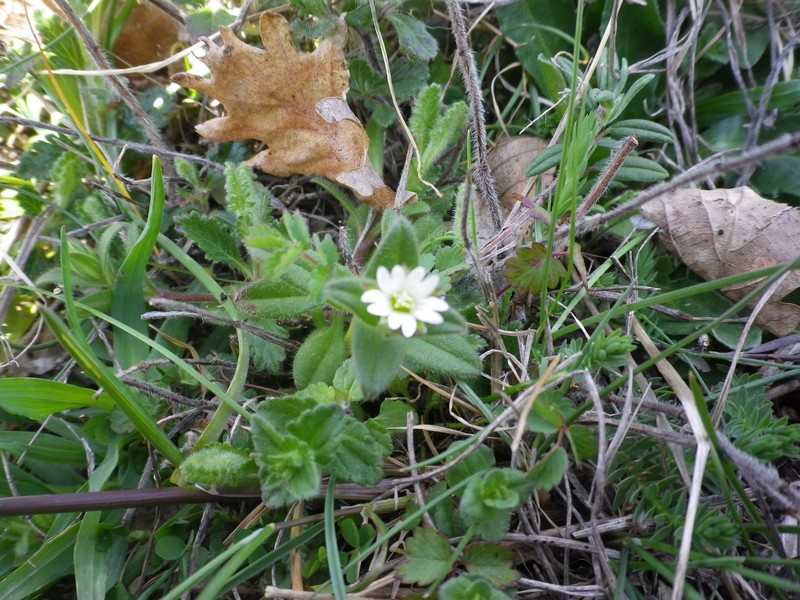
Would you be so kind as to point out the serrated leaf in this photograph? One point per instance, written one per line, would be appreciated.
(286, 297)
(358, 454)
(526, 270)
(481, 459)
(465, 587)
(213, 236)
(428, 556)
(266, 356)
(37, 399)
(492, 562)
(450, 257)
(398, 247)
(446, 129)
(413, 37)
(394, 413)
(377, 354)
(288, 469)
(320, 428)
(427, 107)
(488, 500)
(279, 412)
(549, 471)
(583, 441)
(321, 354)
(345, 383)
(451, 355)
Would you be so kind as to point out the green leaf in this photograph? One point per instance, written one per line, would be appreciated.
(377, 354)
(394, 413)
(451, 355)
(644, 130)
(398, 247)
(466, 588)
(551, 411)
(128, 303)
(346, 384)
(43, 446)
(553, 82)
(321, 354)
(488, 501)
(493, 563)
(123, 397)
(288, 469)
(526, 270)
(546, 160)
(44, 567)
(219, 466)
(37, 399)
(249, 201)
(641, 170)
(784, 97)
(549, 471)
(93, 558)
(283, 410)
(427, 107)
(413, 37)
(213, 236)
(537, 27)
(446, 130)
(358, 453)
(481, 459)
(320, 428)
(286, 297)
(428, 557)
(345, 294)
(265, 355)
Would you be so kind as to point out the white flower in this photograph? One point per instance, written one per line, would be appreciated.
(405, 298)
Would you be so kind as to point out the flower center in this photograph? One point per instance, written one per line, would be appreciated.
(402, 302)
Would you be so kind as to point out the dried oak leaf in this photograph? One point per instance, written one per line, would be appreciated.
(725, 232)
(294, 102)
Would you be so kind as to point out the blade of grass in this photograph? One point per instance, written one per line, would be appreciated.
(331, 545)
(37, 399)
(47, 565)
(128, 304)
(220, 583)
(235, 555)
(78, 348)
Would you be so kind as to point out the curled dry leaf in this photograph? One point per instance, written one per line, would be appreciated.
(294, 102)
(719, 233)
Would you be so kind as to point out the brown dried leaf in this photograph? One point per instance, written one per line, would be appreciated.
(722, 232)
(292, 101)
(149, 36)
(509, 160)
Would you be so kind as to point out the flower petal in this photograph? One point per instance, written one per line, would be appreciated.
(426, 286)
(409, 326)
(434, 303)
(428, 316)
(384, 279)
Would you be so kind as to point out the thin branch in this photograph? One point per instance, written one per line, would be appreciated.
(713, 167)
(143, 148)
